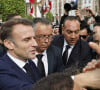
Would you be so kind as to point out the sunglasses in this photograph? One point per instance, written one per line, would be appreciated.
(83, 36)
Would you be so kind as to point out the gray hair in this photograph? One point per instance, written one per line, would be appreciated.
(43, 21)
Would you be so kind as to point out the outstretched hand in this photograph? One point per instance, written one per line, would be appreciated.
(94, 63)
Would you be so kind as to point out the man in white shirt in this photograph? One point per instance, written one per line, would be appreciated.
(51, 57)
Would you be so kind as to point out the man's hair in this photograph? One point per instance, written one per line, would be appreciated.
(7, 27)
(71, 18)
(96, 24)
(97, 19)
(55, 81)
(10, 16)
(84, 25)
(40, 20)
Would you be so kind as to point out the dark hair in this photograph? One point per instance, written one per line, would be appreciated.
(71, 18)
(7, 27)
(10, 16)
(96, 24)
(55, 81)
(97, 19)
(84, 25)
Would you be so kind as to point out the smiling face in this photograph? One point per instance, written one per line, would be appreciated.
(23, 44)
(71, 31)
(43, 36)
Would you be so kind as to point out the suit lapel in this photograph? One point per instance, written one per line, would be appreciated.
(75, 55)
(17, 70)
(61, 42)
(50, 59)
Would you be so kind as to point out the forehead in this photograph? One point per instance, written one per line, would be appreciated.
(43, 29)
(22, 31)
(72, 24)
(83, 31)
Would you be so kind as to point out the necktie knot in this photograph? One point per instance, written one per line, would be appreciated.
(39, 56)
(67, 46)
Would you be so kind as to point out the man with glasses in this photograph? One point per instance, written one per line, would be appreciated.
(78, 53)
(49, 55)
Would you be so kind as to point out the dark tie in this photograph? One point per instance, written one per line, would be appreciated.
(40, 65)
(65, 54)
(29, 70)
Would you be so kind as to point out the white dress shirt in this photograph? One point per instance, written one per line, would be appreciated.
(19, 62)
(69, 50)
(44, 60)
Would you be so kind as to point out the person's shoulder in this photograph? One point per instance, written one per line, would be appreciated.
(58, 41)
(58, 37)
(2, 63)
(54, 48)
(83, 44)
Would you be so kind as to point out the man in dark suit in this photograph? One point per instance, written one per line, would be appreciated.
(18, 37)
(78, 51)
(52, 60)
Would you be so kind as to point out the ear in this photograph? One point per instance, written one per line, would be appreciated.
(9, 44)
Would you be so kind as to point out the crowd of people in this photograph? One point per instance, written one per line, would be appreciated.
(34, 55)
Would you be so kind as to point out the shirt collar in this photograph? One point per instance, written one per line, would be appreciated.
(65, 43)
(44, 53)
(19, 62)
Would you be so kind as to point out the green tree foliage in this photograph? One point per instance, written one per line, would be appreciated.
(12, 6)
(49, 16)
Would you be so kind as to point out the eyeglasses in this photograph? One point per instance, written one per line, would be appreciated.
(44, 37)
(83, 36)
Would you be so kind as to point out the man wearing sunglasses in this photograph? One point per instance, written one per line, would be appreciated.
(85, 32)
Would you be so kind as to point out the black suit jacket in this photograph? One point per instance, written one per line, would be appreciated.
(55, 63)
(80, 54)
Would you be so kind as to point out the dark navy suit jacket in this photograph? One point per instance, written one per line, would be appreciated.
(2, 50)
(14, 78)
(80, 54)
(54, 57)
